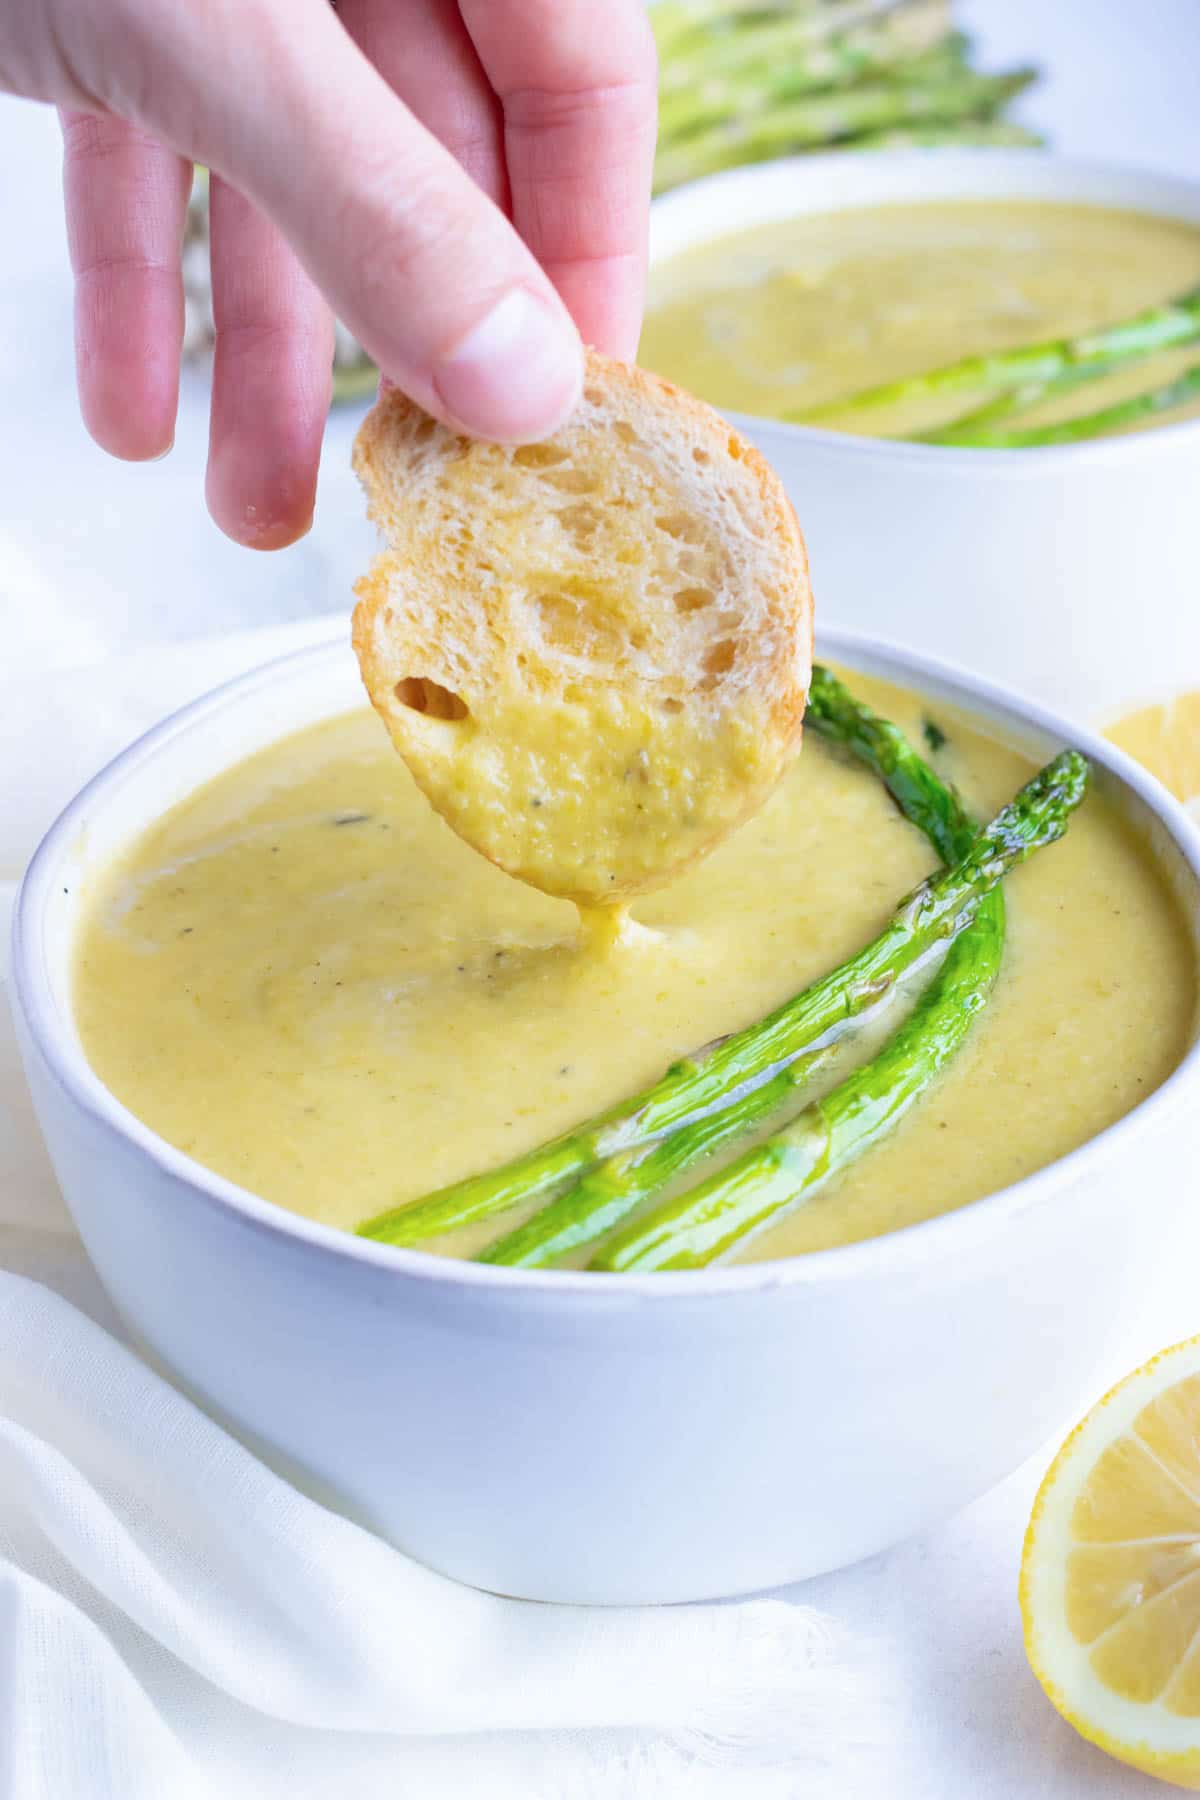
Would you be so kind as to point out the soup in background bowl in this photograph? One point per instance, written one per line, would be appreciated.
(796, 315)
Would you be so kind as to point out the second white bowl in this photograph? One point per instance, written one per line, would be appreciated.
(1070, 573)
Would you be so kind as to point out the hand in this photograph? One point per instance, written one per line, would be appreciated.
(465, 182)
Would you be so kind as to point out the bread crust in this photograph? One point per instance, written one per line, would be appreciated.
(627, 603)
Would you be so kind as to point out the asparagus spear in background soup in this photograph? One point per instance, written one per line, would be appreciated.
(1135, 409)
(1011, 403)
(1173, 323)
(717, 1216)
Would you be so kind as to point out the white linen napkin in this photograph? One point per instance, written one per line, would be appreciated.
(177, 1623)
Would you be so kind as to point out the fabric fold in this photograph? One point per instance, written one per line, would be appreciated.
(200, 1600)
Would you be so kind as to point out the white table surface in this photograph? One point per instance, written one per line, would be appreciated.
(96, 557)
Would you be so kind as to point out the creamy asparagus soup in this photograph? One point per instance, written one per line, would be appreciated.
(304, 979)
(796, 316)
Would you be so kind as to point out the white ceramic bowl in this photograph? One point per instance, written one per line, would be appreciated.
(1069, 572)
(590, 1437)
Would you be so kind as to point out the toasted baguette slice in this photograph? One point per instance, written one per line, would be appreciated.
(593, 652)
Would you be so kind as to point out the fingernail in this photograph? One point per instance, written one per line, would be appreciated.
(517, 373)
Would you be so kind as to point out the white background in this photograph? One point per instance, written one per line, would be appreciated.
(95, 556)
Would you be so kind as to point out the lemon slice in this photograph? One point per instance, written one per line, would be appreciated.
(1166, 740)
(1110, 1577)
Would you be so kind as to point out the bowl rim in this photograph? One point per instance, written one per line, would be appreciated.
(53, 1035)
(807, 181)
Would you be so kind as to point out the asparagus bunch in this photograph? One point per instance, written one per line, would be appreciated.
(613, 1163)
(780, 62)
(826, 120)
(735, 42)
(742, 83)
(1028, 374)
(683, 26)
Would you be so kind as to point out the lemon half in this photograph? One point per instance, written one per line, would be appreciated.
(1110, 1576)
(1166, 740)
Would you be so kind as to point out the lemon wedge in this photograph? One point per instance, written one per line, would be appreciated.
(1166, 740)
(1110, 1576)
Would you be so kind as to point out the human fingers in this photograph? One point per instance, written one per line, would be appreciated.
(126, 196)
(424, 52)
(272, 363)
(578, 85)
